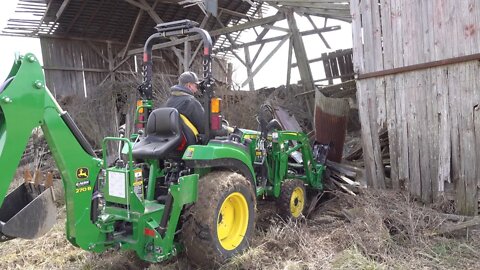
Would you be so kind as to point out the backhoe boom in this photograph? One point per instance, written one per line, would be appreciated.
(26, 104)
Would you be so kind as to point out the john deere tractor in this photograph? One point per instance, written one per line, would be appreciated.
(170, 189)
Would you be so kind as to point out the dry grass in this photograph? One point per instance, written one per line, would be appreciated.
(375, 230)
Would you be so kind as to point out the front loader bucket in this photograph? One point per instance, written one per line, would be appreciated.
(27, 216)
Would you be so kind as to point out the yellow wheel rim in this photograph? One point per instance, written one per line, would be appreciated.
(232, 221)
(297, 202)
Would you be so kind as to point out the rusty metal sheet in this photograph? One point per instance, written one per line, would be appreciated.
(331, 118)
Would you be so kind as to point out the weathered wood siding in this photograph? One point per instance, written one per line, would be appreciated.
(75, 67)
(432, 114)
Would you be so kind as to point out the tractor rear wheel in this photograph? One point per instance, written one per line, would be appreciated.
(293, 199)
(220, 224)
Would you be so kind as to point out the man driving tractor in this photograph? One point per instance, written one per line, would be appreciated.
(182, 98)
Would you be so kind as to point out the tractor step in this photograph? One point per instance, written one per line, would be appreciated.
(29, 211)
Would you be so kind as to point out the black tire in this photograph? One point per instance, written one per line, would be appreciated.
(293, 199)
(204, 220)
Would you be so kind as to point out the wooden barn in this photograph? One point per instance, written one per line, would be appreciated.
(417, 64)
(85, 42)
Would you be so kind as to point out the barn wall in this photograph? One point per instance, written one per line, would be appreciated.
(431, 109)
(76, 67)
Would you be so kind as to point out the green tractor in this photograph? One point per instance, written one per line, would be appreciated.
(170, 189)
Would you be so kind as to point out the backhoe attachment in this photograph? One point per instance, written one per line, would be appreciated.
(28, 211)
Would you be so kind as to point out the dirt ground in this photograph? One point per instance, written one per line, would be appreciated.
(374, 230)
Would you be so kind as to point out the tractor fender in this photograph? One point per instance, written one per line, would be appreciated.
(221, 154)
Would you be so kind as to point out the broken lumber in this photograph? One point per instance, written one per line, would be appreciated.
(458, 226)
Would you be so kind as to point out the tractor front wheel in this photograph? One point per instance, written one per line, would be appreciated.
(220, 224)
(293, 199)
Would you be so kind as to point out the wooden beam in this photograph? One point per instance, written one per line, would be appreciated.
(278, 38)
(231, 29)
(43, 18)
(319, 33)
(96, 50)
(111, 63)
(251, 85)
(322, 58)
(338, 15)
(273, 27)
(135, 3)
(199, 46)
(258, 53)
(74, 20)
(151, 11)
(289, 61)
(100, 70)
(234, 13)
(222, 67)
(132, 33)
(121, 63)
(264, 31)
(239, 58)
(187, 54)
(60, 10)
(305, 1)
(267, 58)
(179, 55)
(314, 4)
(300, 53)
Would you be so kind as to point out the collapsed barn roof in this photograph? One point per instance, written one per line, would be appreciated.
(114, 20)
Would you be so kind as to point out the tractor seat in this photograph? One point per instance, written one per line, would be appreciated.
(163, 135)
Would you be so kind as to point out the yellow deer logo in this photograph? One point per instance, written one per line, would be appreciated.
(82, 173)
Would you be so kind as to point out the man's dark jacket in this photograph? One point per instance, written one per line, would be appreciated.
(183, 100)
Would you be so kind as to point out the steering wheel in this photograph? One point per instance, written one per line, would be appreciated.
(234, 137)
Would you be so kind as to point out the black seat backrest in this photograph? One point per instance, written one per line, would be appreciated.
(163, 122)
(163, 135)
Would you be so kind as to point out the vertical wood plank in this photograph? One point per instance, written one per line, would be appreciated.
(444, 155)
(402, 132)
(376, 35)
(467, 142)
(397, 19)
(368, 48)
(390, 107)
(422, 101)
(248, 63)
(476, 123)
(387, 33)
(367, 146)
(412, 129)
(357, 31)
(455, 73)
(432, 106)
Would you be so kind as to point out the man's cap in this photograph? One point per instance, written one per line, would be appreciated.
(188, 77)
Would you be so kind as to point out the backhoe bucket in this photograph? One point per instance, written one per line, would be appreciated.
(25, 215)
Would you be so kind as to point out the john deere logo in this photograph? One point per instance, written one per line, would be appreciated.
(82, 173)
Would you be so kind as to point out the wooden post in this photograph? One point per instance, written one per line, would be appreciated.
(289, 67)
(111, 64)
(300, 53)
(186, 56)
(229, 73)
(248, 63)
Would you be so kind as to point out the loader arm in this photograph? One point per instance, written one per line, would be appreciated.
(26, 104)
